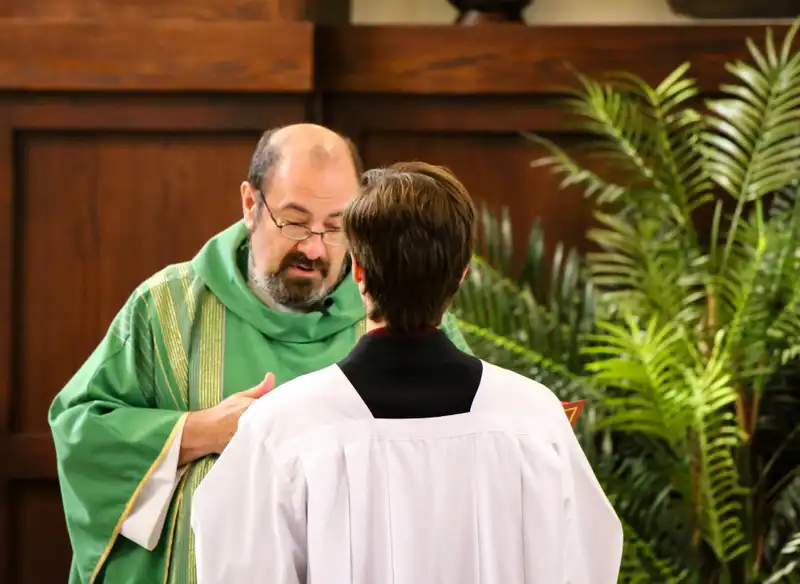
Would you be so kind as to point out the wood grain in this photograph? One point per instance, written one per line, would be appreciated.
(140, 9)
(6, 266)
(29, 456)
(518, 59)
(244, 57)
(155, 112)
(6, 330)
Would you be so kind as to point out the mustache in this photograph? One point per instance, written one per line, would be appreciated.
(300, 259)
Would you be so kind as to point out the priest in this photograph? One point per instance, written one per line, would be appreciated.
(408, 461)
(142, 421)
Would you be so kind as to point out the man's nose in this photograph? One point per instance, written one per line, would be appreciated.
(313, 247)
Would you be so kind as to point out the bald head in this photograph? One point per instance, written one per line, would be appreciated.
(298, 145)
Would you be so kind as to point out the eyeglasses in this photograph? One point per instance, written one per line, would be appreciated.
(299, 232)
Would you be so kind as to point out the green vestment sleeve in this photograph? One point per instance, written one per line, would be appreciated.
(450, 328)
(111, 428)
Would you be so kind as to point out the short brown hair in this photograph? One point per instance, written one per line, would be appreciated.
(411, 230)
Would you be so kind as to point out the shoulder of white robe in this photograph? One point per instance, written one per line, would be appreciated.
(285, 412)
(510, 390)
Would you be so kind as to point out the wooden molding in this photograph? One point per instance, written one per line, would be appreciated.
(519, 59)
(172, 56)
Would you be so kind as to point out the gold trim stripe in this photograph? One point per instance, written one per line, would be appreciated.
(168, 319)
(173, 524)
(209, 390)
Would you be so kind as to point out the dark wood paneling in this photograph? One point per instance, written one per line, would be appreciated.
(495, 168)
(446, 113)
(41, 548)
(151, 112)
(29, 456)
(88, 200)
(139, 9)
(174, 56)
(6, 333)
(518, 59)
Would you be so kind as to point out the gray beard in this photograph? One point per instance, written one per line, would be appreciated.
(271, 290)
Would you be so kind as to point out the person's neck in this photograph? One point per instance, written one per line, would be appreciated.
(373, 325)
(381, 328)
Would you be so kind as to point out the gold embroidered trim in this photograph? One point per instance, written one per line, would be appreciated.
(172, 526)
(168, 319)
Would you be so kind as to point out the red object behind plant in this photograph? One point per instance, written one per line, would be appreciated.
(573, 410)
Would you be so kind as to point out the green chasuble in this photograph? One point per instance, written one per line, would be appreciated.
(186, 338)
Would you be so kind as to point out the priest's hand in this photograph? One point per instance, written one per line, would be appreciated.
(209, 431)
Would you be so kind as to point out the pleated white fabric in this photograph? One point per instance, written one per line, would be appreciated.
(313, 489)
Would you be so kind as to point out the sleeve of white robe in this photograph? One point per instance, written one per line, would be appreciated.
(145, 522)
(248, 516)
(594, 532)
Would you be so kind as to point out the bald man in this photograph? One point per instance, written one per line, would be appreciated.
(263, 302)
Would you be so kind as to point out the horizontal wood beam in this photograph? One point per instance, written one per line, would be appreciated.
(509, 59)
(152, 112)
(171, 56)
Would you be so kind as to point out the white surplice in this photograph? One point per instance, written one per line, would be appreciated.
(314, 489)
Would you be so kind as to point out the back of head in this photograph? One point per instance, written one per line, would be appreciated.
(411, 230)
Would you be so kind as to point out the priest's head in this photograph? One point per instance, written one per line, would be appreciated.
(300, 180)
(410, 232)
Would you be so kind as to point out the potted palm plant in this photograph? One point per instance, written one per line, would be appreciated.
(698, 337)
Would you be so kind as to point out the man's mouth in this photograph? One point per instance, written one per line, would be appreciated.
(303, 268)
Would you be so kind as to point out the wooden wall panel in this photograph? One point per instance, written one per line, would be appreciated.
(86, 201)
(521, 60)
(159, 55)
(204, 10)
(135, 9)
(40, 550)
(495, 168)
(6, 334)
(106, 191)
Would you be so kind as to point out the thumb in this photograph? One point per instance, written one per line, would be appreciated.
(263, 388)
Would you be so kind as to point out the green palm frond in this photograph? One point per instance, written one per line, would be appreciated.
(788, 564)
(676, 160)
(646, 366)
(503, 303)
(696, 342)
(657, 544)
(645, 267)
(641, 565)
(754, 132)
(573, 174)
(686, 404)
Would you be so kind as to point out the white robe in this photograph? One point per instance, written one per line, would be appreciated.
(313, 488)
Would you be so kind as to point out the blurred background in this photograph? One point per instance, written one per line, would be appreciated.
(126, 127)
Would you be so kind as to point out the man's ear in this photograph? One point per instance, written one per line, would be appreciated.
(249, 202)
(358, 277)
(464, 275)
(358, 271)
